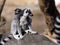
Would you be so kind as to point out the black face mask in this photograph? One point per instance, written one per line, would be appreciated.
(17, 11)
(30, 13)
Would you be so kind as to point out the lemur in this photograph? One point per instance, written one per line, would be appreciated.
(21, 25)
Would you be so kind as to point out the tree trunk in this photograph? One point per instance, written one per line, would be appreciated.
(2, 2)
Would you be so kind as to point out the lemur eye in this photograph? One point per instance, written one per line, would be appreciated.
(27, 11)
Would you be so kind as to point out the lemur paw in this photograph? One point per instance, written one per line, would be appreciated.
(31, 32)
(34, 32)
(21, 37)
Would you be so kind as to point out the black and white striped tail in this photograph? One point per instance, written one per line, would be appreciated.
(5, 40)
(57, 28)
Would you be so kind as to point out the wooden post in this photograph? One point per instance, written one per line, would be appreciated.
(2, 2)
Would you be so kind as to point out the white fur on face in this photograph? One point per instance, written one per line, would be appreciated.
(25, 14)
(17, 11)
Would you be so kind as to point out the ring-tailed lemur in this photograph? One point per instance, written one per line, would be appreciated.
(18, 13)
(26, 21)
(21, 24)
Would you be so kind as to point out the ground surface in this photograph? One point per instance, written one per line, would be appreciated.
(38, 24)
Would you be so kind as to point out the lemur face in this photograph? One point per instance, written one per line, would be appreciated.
(23, 12)
(18, 11)
(27, 12)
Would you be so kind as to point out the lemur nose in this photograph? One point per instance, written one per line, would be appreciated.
(17, 33)
(31, 15)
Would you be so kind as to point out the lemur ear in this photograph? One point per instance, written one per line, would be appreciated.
(17, 11)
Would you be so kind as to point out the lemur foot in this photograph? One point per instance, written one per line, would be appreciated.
(21, 37)
(18, 37)
(32, 32)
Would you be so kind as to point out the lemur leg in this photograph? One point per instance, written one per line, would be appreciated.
(16, 31)
(20, 33)
(31, 31)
